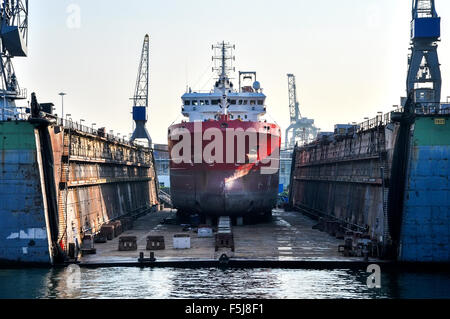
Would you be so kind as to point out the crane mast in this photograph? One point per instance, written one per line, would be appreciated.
(301, 129)
(140, 99)
(424, 75)
(13, 43)
(293, 104)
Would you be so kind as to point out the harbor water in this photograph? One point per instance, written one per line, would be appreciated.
(162, 283)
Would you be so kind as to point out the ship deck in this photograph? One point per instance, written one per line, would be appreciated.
(288, 240)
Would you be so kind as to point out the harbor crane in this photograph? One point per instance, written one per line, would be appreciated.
(424, 74)
(13, 43)
(301, 129)
(140, 99)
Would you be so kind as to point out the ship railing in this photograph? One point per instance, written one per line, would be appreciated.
(14, 114)
(81, 151)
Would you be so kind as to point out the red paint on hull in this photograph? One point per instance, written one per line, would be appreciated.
(229, 189)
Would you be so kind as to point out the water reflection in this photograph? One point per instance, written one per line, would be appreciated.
(126, 283)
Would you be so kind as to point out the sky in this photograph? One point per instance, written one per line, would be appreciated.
(349, 56)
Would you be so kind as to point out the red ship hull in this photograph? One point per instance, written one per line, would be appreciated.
(225, 188)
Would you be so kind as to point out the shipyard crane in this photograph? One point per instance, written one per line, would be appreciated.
(140, 99)
(424, 75)
(301, 129)
(13, 43)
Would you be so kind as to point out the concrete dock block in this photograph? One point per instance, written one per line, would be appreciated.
(107, 231)
(127, 243)
(117, 227)
(224, 240)
(155, 243)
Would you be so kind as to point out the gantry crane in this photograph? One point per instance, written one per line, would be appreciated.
(140, 99)
(424, 75)
(13, 43)
(301, 129)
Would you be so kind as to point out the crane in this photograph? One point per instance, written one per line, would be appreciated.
(424, 74)
(140, 99)
(13, 43)
(301, 129)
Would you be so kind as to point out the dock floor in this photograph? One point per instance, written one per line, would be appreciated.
(287, 237)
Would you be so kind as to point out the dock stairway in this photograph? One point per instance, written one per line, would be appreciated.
(165, 198)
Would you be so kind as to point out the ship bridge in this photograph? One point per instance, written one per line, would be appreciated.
(209, 106)
(247, 103)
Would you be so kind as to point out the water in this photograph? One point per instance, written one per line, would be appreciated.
(164, 283)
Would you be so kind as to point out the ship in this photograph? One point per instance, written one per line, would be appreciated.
(382, 185)
(224, 159)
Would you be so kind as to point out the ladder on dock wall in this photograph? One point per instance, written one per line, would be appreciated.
(63, 190)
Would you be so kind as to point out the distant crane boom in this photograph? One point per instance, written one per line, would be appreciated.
(293, 103)
(140, 99)
(141, 94)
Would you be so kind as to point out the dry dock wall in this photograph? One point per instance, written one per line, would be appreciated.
(345, 180)
(350, 179)
(60, 183)
(426, 215)
(23, 227)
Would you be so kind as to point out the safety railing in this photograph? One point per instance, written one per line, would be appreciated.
(90, 130)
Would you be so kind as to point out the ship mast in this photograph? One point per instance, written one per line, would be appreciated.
(223, 52)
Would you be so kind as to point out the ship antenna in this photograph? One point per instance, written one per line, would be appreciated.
(223, 52)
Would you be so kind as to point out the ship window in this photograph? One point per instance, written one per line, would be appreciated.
(194, 102)
(215, 102)
(187, 102)
(252, 102)
(246, 116)
(202, 102)
(207, 102)
(260, 102)
(233, 102)
(240, 102)
(245, 102)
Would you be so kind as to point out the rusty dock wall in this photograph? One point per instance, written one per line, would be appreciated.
(346, 180)
(67, 181)
(369, 186)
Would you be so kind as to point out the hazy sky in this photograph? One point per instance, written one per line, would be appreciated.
(349, 56)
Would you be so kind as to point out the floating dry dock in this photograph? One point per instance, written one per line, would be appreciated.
(62, 181)
(385, 180)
